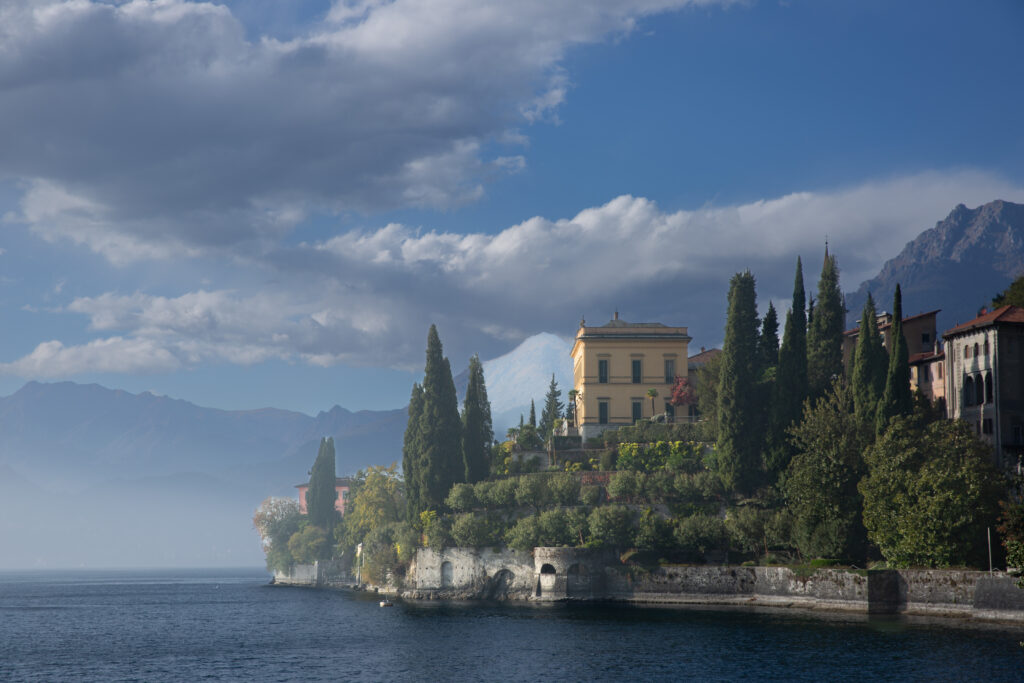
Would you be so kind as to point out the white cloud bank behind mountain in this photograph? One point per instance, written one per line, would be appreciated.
(367, 298)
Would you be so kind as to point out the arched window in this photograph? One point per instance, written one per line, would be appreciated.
(969, 391)
(967, 351)
(979, 390)
(988, 387)
(975, 349)
(986, 347)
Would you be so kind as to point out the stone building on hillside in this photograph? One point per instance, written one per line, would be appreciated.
(342, 485)
(617, 365)
(985, 385)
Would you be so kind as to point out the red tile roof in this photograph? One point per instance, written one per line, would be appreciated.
(704, 356)
(1003, 314)
(926, 357)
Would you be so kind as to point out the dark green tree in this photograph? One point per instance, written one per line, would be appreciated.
(477, 430)
(552, 409)
(739, 435)
(870, 364)
(533, 414)
(790, 380)
(821, 486)
(930, 493)
(825, 331)
(768, 342)
(412, 456)
(1012, 295)
(897, 398)
(322, 494)
(440, 429)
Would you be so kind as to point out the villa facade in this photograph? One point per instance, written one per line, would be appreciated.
(342, 485)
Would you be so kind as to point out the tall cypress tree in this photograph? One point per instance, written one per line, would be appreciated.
(322, 494)
(533, 414)
(440, 428)
(870, 365)
(825, 333)
(791, 379)
(552, 409)
(477, 430)
(412, 455)
(768, 342)
(896, 398)
(739, 437)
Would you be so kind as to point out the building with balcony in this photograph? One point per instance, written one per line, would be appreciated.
(985, 380)
(617, 365)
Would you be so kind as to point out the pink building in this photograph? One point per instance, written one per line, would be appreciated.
(341, 487)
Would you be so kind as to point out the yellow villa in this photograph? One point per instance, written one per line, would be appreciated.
(617, 365)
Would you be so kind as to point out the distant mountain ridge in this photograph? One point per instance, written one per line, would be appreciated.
(957, 266)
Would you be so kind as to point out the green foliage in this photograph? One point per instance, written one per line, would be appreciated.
(533, 415)
(675, 455)
(440, 464)
(624, 486)
(309, 544)
(790, 381)
(825, 331)
(821, 487)
(532, 491)
(276, 520)
(322, 494)
(564, 489)
(554, 528)
(1012, 295)
(768, 341)
(611, 526)
(462, 498)
(436, 534)
(930, 493)
(477, 430)
(609, 458)
(377, 502)
(896, 398)
(412, 456)
(474, 531)
(699, 534)
(498, 494)
(383, 550)
(739, 424)
(1011, 528)
(708, 376)
(524, 535)
(870, 365)
(746, 528)
(652, 531)
(552, 409)
(591, 495)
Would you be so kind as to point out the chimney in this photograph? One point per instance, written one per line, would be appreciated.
(616, 315)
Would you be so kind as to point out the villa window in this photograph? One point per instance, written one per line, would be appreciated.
(979, 390)
(986, 347)
(638, 375)
(975, 349)
(670, 409)
(986, 426)
(967, 351)
(926, 339)
(988, 388)
(602, 371)
(638, 410)
(602, 412)
(969, 391)
(940, 370)
(670, 370)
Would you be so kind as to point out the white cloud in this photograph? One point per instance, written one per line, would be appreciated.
(366, 298)
(154, 129)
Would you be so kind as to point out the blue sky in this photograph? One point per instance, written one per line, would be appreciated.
(266, 203)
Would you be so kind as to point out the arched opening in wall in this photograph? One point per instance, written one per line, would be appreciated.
(975, 349)
(979, 390)
(969, 391)
(577, 580)
(446, 574)
(547, 577)
(988, 387)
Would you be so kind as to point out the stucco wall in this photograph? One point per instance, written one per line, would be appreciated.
(475, 573)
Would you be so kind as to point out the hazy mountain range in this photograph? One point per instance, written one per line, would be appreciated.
(91, 476)
(957, 266)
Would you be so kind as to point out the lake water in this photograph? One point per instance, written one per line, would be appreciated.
(229, 625)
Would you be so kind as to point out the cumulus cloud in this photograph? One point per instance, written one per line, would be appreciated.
(150, 129)
(367, 297)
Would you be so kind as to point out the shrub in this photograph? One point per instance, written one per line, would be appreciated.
(524, 535)
(591, 495)
(554, 528)
(709, 484)
(746, 526)
(532, 491)
(502, 494)
(309, 544)
(462, 498)
(610, 526)
(685, 489)
(623, 485)
(608, 459)
(701, 533)
(564, 489)
(652, 532)
(473, 531)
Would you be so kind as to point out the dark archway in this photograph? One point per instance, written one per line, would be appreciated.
(446, 575)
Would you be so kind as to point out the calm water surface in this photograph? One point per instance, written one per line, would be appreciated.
(229, 625)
